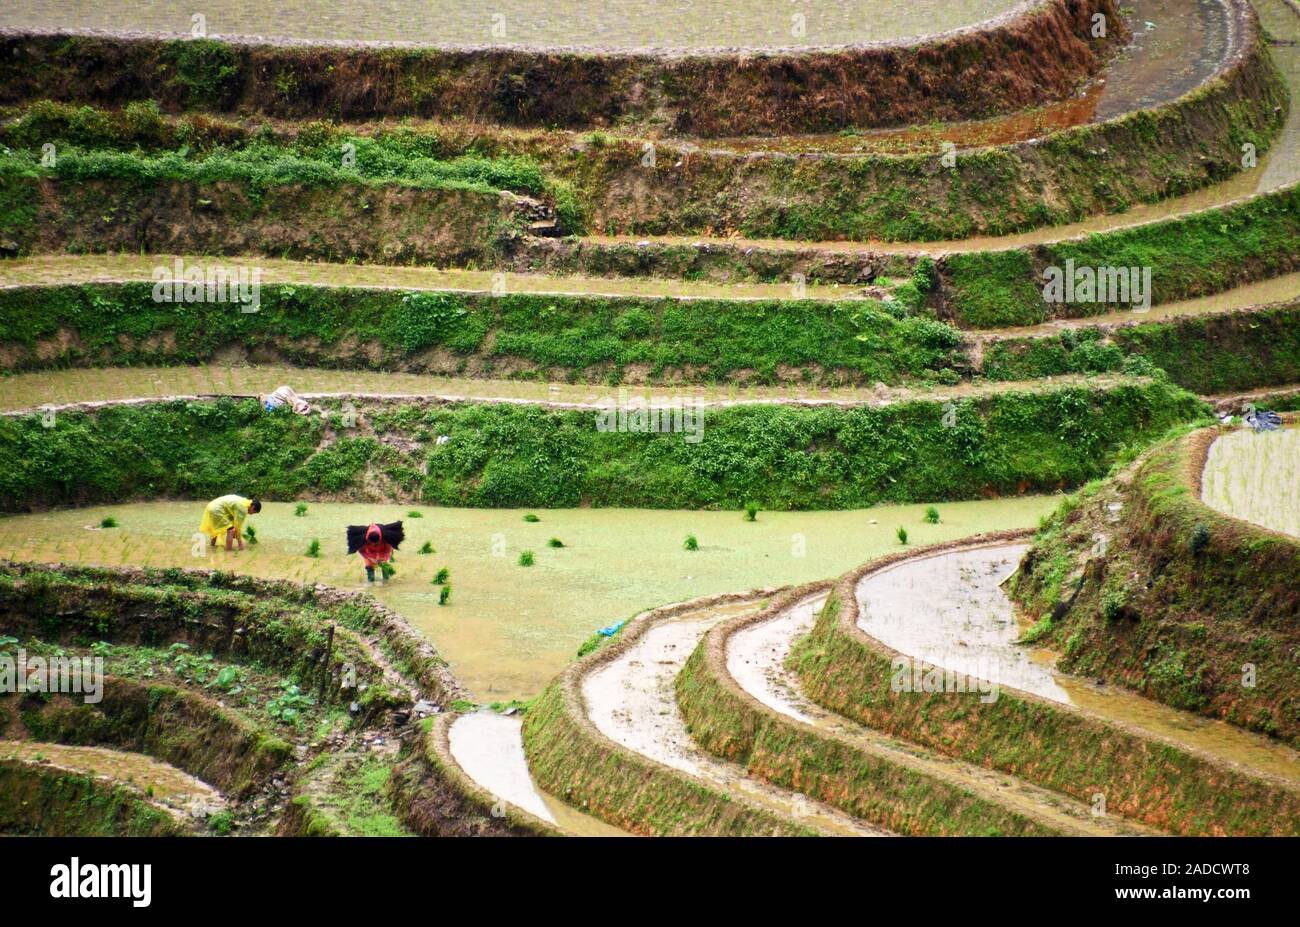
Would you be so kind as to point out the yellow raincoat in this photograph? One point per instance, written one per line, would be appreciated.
(221, 514)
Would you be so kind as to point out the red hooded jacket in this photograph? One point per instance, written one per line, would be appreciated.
(376, 549)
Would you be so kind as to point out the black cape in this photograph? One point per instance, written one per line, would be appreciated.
(391, 532)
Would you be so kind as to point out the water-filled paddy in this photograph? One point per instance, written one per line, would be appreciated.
(509, 629)
(631, 699)
(1256, 477)
(607, 24)
(489, 747)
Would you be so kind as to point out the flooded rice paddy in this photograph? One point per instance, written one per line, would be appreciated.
(99, 384)
(756, 658)
(594, 24)
(1176, 46)
(949, 610)
(489, 747)
(507, 630)
(1273, 291)
(1256, 477)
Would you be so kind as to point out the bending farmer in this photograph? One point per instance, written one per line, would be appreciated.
(375, 543)
(226, 516)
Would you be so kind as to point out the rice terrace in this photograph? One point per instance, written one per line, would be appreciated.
(674, 418)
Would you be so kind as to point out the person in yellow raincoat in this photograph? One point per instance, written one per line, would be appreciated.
(226, 516)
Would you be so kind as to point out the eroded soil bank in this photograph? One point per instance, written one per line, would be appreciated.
(1038, 54)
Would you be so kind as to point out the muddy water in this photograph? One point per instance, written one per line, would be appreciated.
(164, 784)
(604, 24)
(490, 749)
(632, 701)
(1256, 477)
(111, 268)
(756, 657)
(919, 139)
(27, 391)
(949, 610)
(509, 629)
(1177, 45)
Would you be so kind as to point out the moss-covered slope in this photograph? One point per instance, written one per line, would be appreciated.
(1137, 581)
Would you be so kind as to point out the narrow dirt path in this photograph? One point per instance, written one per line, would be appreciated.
(91, 388)
(632, 701)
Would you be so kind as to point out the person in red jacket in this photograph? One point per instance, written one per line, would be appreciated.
(375, 543)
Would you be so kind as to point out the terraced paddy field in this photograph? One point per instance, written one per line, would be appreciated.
(503, 645)
(753, 480)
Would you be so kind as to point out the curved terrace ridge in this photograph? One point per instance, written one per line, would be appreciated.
(1039, 54)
